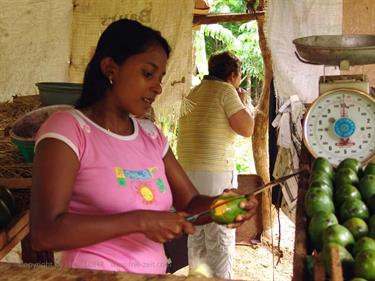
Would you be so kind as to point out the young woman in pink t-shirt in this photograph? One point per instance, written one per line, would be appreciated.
(104, 182)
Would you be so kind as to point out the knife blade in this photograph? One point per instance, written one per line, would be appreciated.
(262, 188)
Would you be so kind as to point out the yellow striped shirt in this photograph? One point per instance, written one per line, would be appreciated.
(205, 138)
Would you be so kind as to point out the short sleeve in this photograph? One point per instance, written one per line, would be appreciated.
(231, 101)
(64, 127)
(155, 135)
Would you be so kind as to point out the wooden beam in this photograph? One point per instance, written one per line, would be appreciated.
(16, 183)
(230, 17)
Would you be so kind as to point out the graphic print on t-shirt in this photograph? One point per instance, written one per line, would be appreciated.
(161, 186)
(147, 193)
(142, 180)
(124, 175)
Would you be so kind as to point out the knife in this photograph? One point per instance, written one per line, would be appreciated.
(262, 188)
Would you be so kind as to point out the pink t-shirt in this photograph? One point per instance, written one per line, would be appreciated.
(117, 174)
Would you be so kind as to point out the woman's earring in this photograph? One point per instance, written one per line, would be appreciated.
(110, 81)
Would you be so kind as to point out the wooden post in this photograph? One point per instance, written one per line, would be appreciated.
(319, 271)
(260, 137)
(336, 267)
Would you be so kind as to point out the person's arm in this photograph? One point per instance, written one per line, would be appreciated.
(187, 199)
(242, 123)
(55, 169)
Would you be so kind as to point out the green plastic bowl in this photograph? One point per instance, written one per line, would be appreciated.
(25, 128)
(25, 147)
(52, 93)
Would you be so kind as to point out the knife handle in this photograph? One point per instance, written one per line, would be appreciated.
(192, 218)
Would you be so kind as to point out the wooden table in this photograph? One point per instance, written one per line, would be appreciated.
(300, 251)
(32, 272)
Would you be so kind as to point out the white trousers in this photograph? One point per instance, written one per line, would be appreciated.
(212, 243)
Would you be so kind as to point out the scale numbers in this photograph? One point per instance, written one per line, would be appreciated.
(340, 124)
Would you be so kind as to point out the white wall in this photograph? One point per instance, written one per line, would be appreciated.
(34, 44)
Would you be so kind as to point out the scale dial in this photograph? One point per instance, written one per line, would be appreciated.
(340, 124)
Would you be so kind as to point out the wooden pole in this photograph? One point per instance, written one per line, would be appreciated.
(225, 17)
(260, 137)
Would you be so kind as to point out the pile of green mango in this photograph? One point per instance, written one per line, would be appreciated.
(340, 210)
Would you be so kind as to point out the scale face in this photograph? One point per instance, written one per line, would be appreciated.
(341, 124)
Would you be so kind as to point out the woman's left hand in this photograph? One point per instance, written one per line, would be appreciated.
(250, 205)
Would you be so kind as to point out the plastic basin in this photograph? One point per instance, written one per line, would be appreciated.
(52, 93)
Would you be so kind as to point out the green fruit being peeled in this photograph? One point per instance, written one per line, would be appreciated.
(226, 213)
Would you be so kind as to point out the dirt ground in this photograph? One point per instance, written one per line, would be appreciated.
(255, 262)
(261, 262)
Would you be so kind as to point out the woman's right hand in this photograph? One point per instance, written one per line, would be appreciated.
(164, 226)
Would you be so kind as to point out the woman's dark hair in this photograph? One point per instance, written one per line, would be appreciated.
(221, 65)
(120, 40)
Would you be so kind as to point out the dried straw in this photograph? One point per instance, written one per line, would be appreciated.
(11, 162)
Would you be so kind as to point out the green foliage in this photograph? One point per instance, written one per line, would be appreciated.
(222, 36)
(228, 6)
(244, 156)
(239, 38)
(250, 53)
(200, 56)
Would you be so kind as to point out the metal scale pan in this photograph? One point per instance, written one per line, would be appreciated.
(336, 50)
